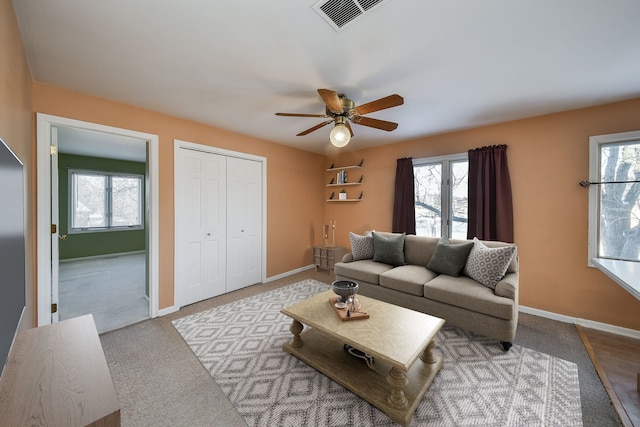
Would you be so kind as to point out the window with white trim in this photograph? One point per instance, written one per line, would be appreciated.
(105, 201)
(614, 197)
(441, 192)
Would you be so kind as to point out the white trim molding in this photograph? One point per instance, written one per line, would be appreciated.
(625, 273)
(289, 273)
(168, 310)
(594, 176)
(44, 125)
(618, 330)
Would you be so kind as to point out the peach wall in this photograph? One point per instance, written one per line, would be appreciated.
(548, 156)
(16, 124)
(294, 210)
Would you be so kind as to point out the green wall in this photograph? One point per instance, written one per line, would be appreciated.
(97, 243)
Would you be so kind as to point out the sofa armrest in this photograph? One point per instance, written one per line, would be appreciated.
(508, 286)
(348, 257)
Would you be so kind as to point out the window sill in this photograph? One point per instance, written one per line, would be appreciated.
(624, 273)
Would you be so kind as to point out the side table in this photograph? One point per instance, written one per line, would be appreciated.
(326, 256)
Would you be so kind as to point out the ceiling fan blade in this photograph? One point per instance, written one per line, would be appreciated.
(332, 100)
(380, 104)
(300, 115)
(375, 123)
(316, 127)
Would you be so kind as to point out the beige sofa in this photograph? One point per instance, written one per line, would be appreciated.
(461, 301)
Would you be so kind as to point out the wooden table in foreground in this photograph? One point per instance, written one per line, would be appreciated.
(57, 376)
(395, 336)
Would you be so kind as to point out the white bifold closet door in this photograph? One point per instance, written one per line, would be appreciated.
(217, 225)
(244, 219)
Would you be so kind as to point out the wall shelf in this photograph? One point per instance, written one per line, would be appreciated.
(342, 176)
(342, 185)
(358, 166)
(343, 168)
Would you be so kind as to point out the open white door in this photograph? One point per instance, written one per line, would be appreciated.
(55, 226)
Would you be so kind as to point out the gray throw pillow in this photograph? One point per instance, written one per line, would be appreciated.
(449, 258)
(388, 249)
(488, 265)
(361, 246)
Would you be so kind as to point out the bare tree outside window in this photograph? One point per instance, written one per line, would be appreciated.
(105, 201)
(620, 202)
(431, 199)
(459, 199)
(428, 179)
(125, 201)
(89, 201)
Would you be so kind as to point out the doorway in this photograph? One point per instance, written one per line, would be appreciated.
(49, 236)
(101, 227)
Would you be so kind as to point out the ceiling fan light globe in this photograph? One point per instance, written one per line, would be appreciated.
(339, 136)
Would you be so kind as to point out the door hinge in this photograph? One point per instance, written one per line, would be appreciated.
(53, 149)
(54, 308)
(54, 229)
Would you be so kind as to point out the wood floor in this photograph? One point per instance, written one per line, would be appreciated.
(617, 361)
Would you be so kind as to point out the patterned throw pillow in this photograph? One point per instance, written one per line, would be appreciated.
(361, 246)
(388, 249)
(488, 265)
(449, 258)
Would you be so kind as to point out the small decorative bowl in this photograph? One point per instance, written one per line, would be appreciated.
(345, 289)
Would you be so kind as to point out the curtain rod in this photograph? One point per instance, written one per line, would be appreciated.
(587, 183)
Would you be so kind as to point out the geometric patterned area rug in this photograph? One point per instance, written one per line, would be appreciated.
(479, 384)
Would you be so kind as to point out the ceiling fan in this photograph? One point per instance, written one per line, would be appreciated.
(342, 111)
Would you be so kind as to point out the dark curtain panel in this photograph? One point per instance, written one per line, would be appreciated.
(490, 202)
(404, 203)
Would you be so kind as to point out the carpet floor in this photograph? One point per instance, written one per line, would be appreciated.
(160, 382)
(110, 288)
(480, 384)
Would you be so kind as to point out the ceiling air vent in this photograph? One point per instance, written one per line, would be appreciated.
(341, 13)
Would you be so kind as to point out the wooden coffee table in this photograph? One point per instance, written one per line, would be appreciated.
(393, 335)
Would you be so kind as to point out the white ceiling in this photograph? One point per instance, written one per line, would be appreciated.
(82, 142)
(233, 64)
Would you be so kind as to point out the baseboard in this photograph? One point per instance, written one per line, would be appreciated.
(605, 327)
(289, 273)
(173, 309)
(167, 310)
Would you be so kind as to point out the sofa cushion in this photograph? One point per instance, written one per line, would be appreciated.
(407, 278)
(449, 258)
(488, 265)
(418, 250)
(466, 293)
(388, 249)
(365, 270)
(513, 266)
(361, 246)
